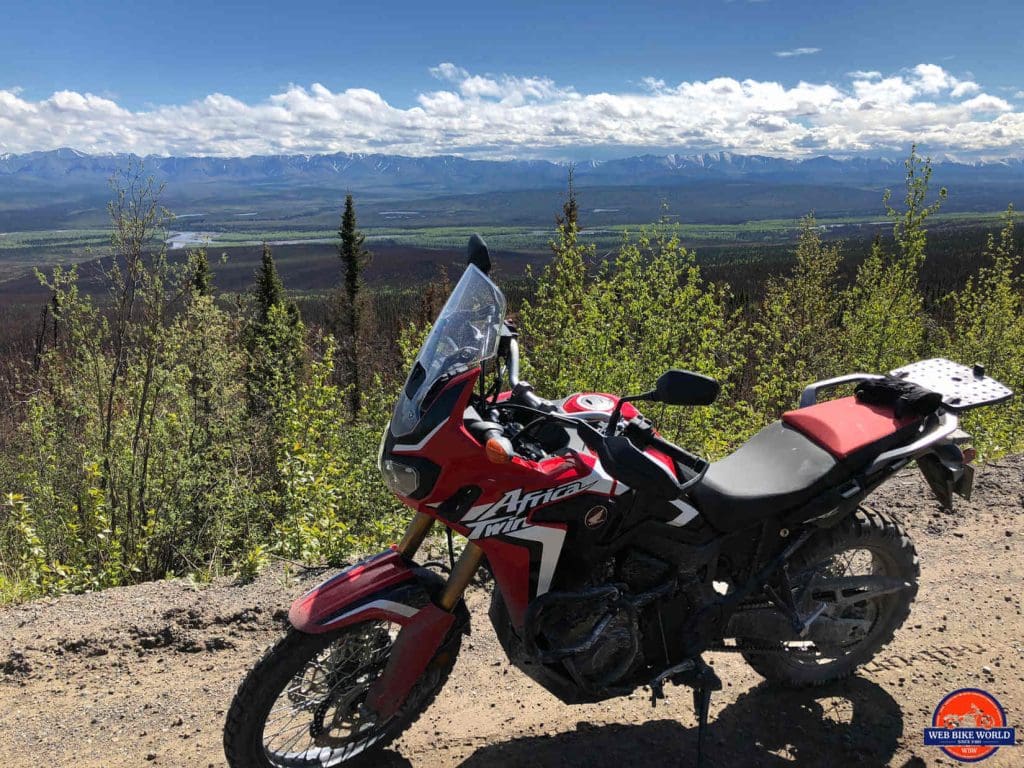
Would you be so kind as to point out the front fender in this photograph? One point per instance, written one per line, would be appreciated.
(386, 586)
(392, 588)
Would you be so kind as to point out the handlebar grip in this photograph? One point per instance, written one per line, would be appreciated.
(523, 394)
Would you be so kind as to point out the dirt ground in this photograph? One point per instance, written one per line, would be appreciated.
(142, 676)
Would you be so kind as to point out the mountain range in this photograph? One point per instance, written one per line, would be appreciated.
(457, 175)
(67, 188)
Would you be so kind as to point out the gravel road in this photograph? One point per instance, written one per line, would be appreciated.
(142, 676)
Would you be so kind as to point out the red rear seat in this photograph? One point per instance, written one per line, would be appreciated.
(842, 427)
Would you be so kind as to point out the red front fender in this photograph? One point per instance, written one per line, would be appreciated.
(364, 591)
(384, 587)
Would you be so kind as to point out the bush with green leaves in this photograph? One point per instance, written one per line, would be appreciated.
(795, 337)
(617, 327)
(884, 319)
(333, 502)
(987, 327)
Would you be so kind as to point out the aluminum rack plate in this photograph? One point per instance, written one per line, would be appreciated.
(961, 388)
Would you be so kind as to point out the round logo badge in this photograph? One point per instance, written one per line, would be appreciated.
(596, 517)
(969, 725)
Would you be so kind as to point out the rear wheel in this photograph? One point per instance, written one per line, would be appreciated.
(303, 704)
(868, 548)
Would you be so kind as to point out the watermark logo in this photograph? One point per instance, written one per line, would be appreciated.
(969, 725)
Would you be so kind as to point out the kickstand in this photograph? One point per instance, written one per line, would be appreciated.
(701, 705)
(703, 680)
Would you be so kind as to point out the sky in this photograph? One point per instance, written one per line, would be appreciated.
(558, 80)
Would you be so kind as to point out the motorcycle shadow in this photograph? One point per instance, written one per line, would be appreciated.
(853, 722)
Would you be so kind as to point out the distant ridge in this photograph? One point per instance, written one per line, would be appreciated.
(451, 174)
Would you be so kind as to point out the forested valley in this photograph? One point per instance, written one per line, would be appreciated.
(164, 428)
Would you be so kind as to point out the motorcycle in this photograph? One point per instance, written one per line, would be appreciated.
(618, 558)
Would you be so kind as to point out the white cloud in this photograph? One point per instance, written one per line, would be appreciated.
(488, 115)
(797, 52)
(448, 71)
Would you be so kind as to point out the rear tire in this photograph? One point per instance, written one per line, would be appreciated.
(893, 551)
(282, 672)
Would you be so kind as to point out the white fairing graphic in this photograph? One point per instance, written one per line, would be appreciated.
(551, 541)
(414, 448)
(399, 609)
(686, 513)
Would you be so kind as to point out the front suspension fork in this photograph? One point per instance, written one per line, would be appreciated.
(464, 570)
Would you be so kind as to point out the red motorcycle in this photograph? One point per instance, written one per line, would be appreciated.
(618, 558)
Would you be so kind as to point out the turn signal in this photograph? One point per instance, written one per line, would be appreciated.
(969, 454)
(499, 450)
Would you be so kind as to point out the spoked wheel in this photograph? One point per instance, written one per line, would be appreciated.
(862, 574)
(303, 704)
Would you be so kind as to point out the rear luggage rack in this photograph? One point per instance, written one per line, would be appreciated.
(962, 388)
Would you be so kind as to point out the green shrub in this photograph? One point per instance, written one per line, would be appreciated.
(987, 327)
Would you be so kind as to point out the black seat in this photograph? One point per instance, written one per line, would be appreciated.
(777, 469)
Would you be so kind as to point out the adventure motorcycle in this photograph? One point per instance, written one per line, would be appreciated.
(617, 557)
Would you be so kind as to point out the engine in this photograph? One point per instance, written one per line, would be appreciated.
(611, 629)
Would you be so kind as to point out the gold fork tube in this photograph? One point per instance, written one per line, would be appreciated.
(415, 533)
(461, 575)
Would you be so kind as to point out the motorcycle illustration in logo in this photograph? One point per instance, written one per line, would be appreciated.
(969, 725)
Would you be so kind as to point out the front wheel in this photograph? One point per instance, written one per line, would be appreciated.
(866, 546)
(303, 704)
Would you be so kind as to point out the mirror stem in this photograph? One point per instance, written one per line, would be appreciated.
(613, 420)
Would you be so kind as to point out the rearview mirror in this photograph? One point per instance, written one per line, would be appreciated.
(685, 388)
(479, 256)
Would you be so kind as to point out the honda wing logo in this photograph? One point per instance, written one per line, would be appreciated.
(509, 513)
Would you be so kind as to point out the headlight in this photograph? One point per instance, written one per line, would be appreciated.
(399, 478)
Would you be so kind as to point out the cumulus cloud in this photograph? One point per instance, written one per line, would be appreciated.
(797, 52)
(499, 115)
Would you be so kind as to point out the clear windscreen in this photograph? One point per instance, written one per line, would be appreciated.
(465, 333)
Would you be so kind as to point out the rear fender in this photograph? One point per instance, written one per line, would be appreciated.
(946, 472)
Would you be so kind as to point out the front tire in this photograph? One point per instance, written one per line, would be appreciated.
(885, 547)
(301, 706)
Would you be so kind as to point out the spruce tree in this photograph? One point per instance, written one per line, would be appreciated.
(269, 289)
(202, 278)
(353, 258)
(570, 208)
(274, 340)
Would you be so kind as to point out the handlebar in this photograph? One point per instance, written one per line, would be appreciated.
(619, 454)
(523, 394)
(513, 362)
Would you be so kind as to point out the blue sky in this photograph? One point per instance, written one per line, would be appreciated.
(70, 71)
